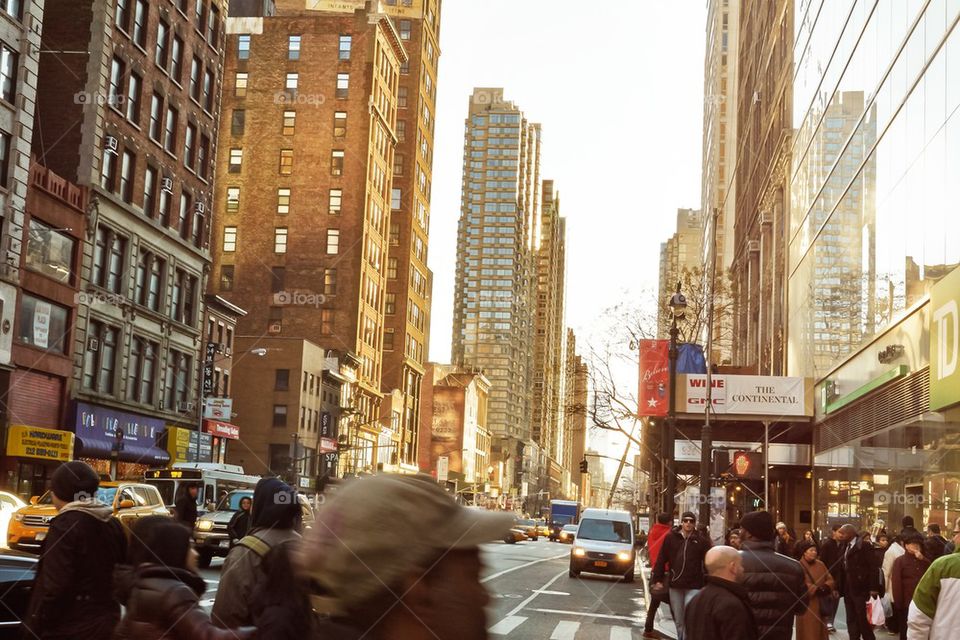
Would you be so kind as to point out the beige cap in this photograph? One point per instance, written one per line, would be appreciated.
(373, 532)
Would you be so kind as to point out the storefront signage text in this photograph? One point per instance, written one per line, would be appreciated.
(33, 442)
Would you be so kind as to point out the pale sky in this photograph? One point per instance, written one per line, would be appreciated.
(618, 88)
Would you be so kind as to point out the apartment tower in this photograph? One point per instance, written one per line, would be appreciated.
(495, 278)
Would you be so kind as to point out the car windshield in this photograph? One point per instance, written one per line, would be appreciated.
(604, 531)
(525, 523)
(103, 494)
(167, 489)
(570, 527)
(231, 501)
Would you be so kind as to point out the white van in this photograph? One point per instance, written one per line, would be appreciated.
(604, 544)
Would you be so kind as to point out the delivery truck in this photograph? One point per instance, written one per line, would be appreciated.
(562, 512)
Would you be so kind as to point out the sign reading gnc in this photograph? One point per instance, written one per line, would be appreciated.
(945, 342)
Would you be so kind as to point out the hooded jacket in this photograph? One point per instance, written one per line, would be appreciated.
(274, 518)
(720, 611)
(775, 588)
(655, 540)
(684, 555)
(163, 603)
(935, 610)
(73, 592)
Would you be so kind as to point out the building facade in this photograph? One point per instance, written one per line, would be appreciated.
(575, 405)
(302, 234)
(873, 230)
(135, 121)
(495, 279)
(681, 259)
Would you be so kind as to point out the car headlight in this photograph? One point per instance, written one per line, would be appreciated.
(205, 525)
(623, 556)
(18, 517)
(579, 552)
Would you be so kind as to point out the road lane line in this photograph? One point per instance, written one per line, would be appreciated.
(522, 566)
(533, 595)
(621, 633)
(505, 626)
(565, 630)
(554, 593)
(589, 615)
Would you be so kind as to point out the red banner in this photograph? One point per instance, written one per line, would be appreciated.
(654, 397)
(221, 429)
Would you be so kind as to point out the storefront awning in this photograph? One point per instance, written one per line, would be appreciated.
(93, 448)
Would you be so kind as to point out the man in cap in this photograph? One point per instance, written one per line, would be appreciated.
(683, 551)
(420, 581)
(73, 592)
(774, 582)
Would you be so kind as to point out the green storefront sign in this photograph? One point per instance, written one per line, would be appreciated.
(945, 342)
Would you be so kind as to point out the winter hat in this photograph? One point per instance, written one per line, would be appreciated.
(688, 514)
(74, 481)
(159, 540)
(759, 524)
(906, 522)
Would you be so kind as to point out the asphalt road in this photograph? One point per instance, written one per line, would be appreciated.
(533, 598)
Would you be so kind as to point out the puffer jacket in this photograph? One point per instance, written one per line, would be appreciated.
(655, 540)
(935, 610)
(163, 603)
(775, 588)
(684, 556)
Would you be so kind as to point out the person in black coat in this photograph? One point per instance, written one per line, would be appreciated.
(935, 545)
(721, 610)
(186, 506)
(683, 551)
(774, 582)
(73, 591)
(239, 524)
(862, 581)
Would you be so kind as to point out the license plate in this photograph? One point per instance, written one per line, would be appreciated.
(41, 535)
(600, 563)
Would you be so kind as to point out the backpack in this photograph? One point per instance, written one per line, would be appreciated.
(280, 603)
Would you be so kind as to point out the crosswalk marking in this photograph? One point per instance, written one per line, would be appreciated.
(505, 626)
(621, 633)
(565, 630)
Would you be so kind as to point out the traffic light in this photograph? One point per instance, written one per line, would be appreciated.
(584, 466)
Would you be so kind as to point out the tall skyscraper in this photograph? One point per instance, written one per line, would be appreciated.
(681, 254)
(575, 398)
(493, 318)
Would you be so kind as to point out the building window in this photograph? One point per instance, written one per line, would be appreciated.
(388, 339)
(50, 252)
(330, 282)
(108, 169)
(150, 178)
(176, 59)
(109, 254)
(236, 160)
(281, 380)
(100, 358)
(133, 98)
(8, 72)
(280, 240)
(394, 234)
(343, 85)
(199, 224)
(390, 304)
(243, 47)
(286, 162)
(336, 201)
(4, 158)
(401, 130)
(278, 279)
(182, 298)
(405, 68)
(128, 167)
(115, 95)
(156, 115)
(208, 91)
(398, 165)
(339, 124)
(333, 241)
(195, 66)
(162, 53)
(183, 217)
(280, 416)
(200, 24)
(233, 199)
(150, 270)
(404, 29)
(238, 122)
(240, 84)
(141, 371)
(402, 97)
(345, 45)
(392, 265)
(140, 14)
(293, 48)
(177, 383)
(164, 213)
(203, 157)
(283, 201)
(229, 239)
(291, 84)
(213, 25)
(326, 321)
(226, 277)
(336, 163)
(189, 150)
(170, 130)
(395, 198)
(289, 122)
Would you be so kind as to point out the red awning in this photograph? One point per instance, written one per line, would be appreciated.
(221, 429)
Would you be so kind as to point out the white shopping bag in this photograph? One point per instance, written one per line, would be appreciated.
(875, 612)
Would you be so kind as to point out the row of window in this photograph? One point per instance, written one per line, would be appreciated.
(280, 236)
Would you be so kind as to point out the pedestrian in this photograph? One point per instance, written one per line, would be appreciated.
(786, 544)
(733, 539)
(186, 506)
(420, 582)
(894, 551)
(721, 611)
(933, 612)
(907, 571)
(774, 582)
(683, 551)
(907, 527)
(935, 545)
(819, 583)
(654, 543)
(239, 524)
(861, 570)
(831, 557)
(275, 518)
(73, 591)
(162, 598)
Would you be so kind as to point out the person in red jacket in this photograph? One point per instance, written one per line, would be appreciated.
(654, 544)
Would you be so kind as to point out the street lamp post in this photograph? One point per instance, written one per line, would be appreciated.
(678, 305)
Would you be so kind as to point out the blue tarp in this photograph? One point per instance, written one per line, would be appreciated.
(690, 359)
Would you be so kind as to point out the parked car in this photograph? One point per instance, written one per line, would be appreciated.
(529, 527)
(9, 504)
(604, 544)
(18, 570)
(568, 533)
(130, 500)
(210, 535)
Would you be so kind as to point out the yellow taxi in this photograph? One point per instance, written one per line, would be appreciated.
(130, 500)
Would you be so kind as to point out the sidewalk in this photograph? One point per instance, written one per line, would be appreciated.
(666, 628)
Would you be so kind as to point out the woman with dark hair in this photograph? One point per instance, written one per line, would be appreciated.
(163, 595)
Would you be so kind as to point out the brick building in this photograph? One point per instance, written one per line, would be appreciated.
(135, 121)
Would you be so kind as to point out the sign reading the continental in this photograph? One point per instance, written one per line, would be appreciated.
(746, 395)
(34, 442)
(945, 342)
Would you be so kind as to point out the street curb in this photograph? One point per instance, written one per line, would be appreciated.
(646, 598)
